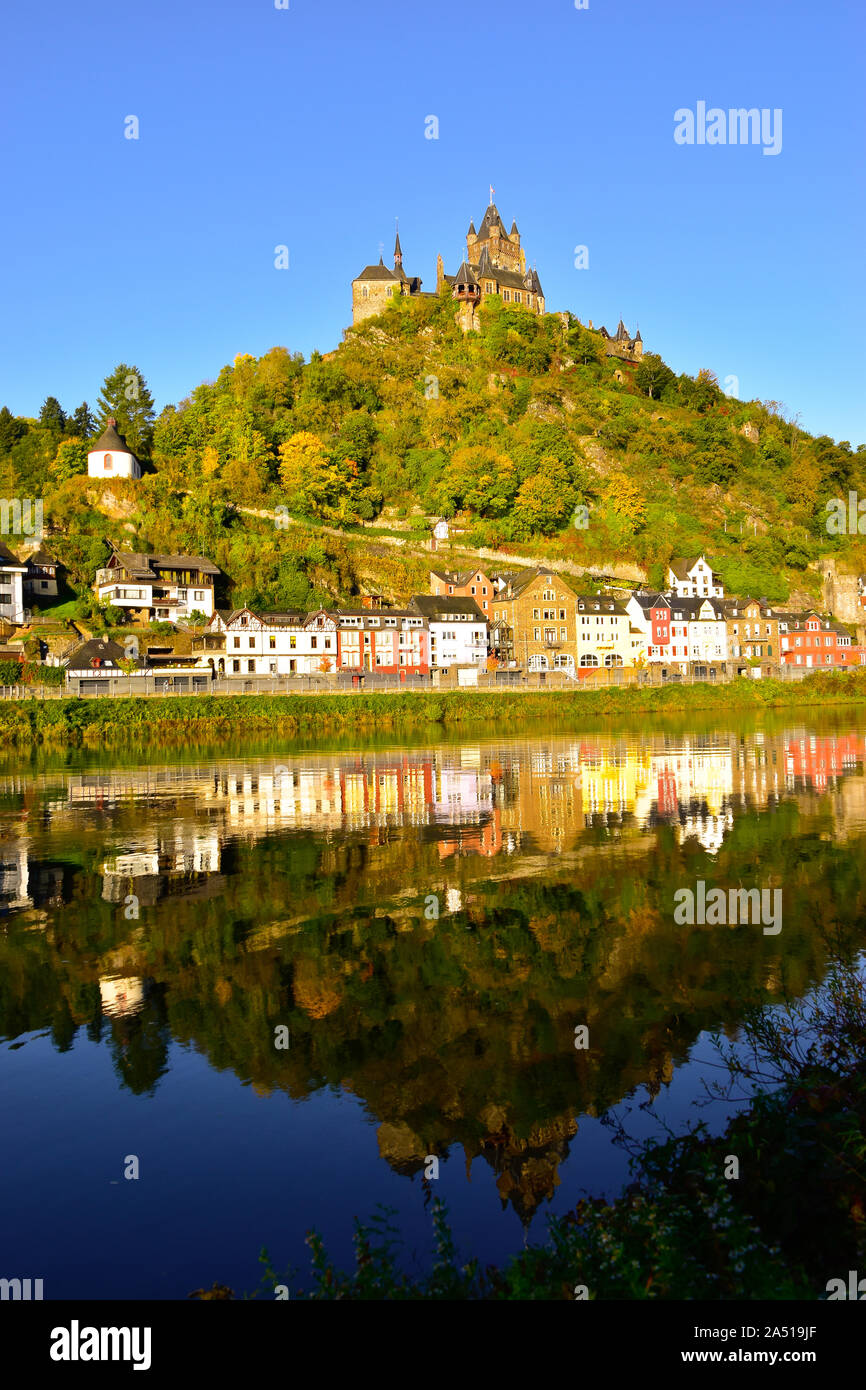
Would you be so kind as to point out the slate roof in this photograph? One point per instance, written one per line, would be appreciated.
(465, 275)
(41, 557)
(145, 566)
(107, 653)
(377, 272)
(490, 220)
(440, 607)
(111, 440)
(8, 560)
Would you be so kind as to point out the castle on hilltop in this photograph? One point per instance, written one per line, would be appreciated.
(495, 263)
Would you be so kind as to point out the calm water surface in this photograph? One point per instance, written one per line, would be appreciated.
(162, 913)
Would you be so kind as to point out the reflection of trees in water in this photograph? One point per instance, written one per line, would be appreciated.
(456, 1031)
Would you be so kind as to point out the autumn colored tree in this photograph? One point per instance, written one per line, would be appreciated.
(625, 500)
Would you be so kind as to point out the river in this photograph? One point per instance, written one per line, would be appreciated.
(250, 990)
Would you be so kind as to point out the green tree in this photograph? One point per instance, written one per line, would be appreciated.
(545, 501)
(82, 422)
(70, 461)
(653, 375)
(11, 429)
(52, 416)
(126, 397)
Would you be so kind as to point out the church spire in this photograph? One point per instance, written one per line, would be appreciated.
(398, 250)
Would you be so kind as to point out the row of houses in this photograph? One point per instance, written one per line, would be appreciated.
(536, 621)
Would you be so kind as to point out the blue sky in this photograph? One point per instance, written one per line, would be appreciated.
(306, 127)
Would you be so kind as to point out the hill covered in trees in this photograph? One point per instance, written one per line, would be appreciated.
(526, 433)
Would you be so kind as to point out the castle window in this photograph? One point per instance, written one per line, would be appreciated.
(489, 287)
(518, 297)
(365, 293)
(506, 295)
(389, 291)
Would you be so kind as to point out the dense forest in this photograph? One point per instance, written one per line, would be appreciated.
(511, 430)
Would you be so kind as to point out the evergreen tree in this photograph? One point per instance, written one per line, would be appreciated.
(51, 415)
(125, 397)
(82, 422)
(11, 429)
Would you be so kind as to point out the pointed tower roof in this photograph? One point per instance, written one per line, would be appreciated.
(398, 250)
(637, 337)
(110, 440)
(491, 220)
(472, 231)
(513, 227)
(465, 275)
(621, 332)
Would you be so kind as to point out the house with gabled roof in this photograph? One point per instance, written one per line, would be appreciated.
(693, 577)
(476, 584)
(278, 643)
(43, 575)
(162, 588)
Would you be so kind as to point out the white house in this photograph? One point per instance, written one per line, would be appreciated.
(161, 587)
(458, 630)
(702, 623)
(694, 578)
(275, 644)
(111, 456)
(12, 574)
(440, 533)
(42, 575)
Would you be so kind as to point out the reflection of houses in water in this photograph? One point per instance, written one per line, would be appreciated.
(14, 877)
(690, 787)
(121, 995)
(25, 882)
(164, 867)
(816, 763)
(613, 778)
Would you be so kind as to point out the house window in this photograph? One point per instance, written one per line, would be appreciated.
(314, 642)
(252, 644)
(106, 462)
(506, 295)
(251, 667)
(236, 666)
(272, 643)
(237, 642)
(293, 642)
